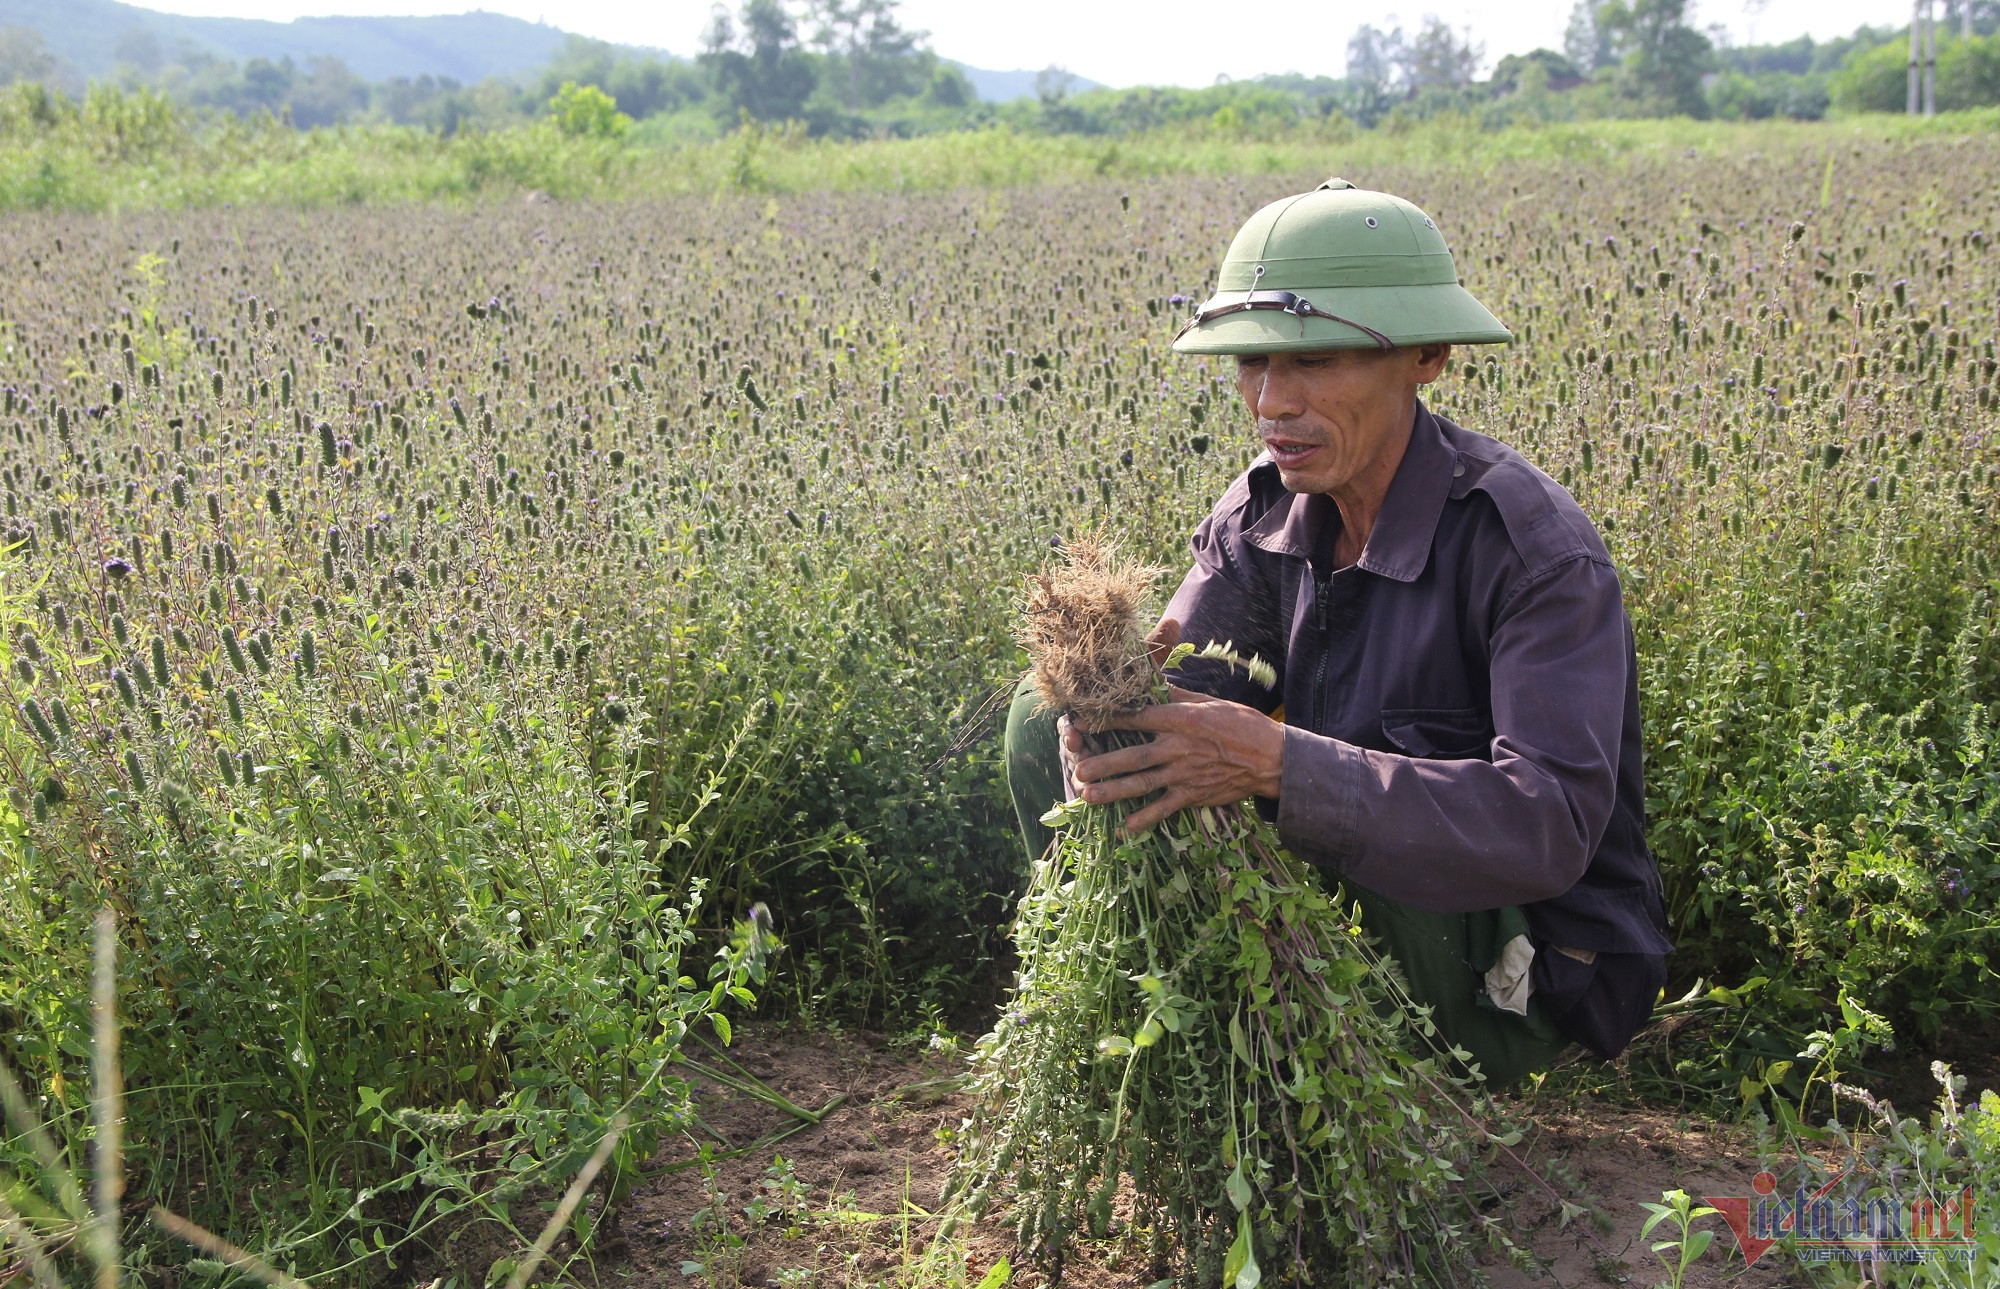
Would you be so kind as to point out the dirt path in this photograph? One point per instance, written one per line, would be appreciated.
(850, 1204)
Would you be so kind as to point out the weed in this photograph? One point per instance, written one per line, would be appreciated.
(1687, 1245)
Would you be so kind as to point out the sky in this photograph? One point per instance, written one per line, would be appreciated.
(1125, 42)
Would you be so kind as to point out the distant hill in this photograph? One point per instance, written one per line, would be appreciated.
(90, 35)
(93, 36)
(1005, 87)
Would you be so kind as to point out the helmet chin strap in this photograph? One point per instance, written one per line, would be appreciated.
(1225, 303)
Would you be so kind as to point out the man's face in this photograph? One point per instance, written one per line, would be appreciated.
(1326, 417)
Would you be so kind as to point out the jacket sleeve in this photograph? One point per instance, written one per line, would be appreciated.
(1452, 836)
(1223, 600)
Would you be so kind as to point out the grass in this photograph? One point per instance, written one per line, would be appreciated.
(98, 1229)
(121, 152)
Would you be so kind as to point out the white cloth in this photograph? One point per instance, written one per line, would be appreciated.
(1507, 982)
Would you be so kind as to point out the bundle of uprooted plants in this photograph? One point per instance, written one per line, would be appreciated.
(1199, 1032)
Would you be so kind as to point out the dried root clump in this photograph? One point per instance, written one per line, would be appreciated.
(1084, 628)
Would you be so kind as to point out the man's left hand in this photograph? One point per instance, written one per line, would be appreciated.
(1204, 752)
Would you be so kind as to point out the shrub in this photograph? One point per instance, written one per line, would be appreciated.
(587, 111)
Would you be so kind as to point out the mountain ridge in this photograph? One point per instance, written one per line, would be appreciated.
(89, 35)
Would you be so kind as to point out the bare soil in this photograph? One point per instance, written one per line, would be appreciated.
(1612, 1159)
(867, 1178)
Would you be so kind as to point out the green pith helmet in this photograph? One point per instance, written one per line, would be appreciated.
(1338, 268)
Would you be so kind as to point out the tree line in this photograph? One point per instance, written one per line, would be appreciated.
(851, 68)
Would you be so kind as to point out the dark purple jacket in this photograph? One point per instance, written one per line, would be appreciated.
(1461, 705)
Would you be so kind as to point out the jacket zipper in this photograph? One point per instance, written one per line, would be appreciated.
(1321, 588)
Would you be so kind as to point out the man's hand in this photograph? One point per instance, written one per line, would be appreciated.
(1160, 642)
(1204, 752)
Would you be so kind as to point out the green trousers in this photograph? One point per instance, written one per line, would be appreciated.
(1443, 956)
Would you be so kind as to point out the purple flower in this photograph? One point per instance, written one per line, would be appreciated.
(116, 568)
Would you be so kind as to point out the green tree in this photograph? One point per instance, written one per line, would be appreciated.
(949, 88)
(1586, 40)
(1378, 58)
(1660, 59)
(1877, 81)
(1968, 75)
(1552, 71)
(327, 94)
(1439, 56)
(643, 85)
(875, 57)
(23, 57)
(760, 68)
(1752, 96)
(586, 111)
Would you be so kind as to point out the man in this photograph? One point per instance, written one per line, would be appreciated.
(1455, 733)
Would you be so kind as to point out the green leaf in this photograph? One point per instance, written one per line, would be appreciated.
(721, 1023)
(1238, 1043)
(1239, 1268)
(1239, 1253)
(1345, 973)
(1001, 1273)
(1697, 1244)
(1238, 1189)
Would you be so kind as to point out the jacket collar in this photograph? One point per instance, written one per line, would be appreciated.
(1399, 547)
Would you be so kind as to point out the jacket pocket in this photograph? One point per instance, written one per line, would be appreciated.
(1439, 733)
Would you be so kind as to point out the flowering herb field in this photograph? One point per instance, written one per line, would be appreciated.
(426, 627)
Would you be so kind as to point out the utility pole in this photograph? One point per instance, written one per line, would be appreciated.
(1916, 55)
(1930, 57)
